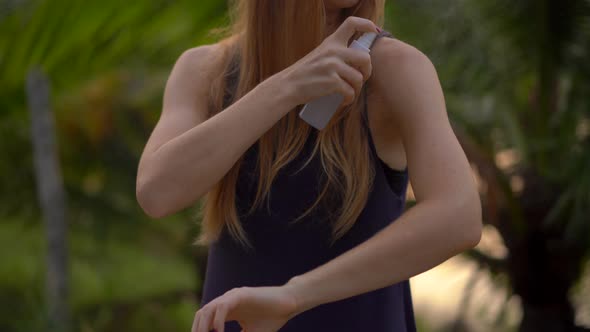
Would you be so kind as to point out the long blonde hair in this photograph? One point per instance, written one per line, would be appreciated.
(267, 36)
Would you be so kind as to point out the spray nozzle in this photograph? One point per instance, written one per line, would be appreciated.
(367, 39)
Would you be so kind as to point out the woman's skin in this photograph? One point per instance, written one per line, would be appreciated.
(333, 12)
(186, 155)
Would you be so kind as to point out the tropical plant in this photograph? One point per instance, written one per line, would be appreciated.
(106, 63)
(517, 79)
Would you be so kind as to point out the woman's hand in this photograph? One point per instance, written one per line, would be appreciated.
(256, 309)
(331, 67)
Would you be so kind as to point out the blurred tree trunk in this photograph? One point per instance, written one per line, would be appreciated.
(542, 267)
(51, 197)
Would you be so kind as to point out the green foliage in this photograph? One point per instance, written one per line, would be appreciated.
(517, 80)
(105, 275)
(107, 63)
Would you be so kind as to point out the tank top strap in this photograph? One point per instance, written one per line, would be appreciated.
(383, 33)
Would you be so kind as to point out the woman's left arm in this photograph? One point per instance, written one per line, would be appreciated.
(445, 221)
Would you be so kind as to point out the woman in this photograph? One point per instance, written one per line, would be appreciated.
(323, 253)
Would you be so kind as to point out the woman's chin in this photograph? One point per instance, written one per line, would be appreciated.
(340, 4)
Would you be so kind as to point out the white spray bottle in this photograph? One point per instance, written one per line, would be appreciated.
(319, 111)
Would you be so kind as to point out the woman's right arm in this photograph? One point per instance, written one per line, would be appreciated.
(186, 154)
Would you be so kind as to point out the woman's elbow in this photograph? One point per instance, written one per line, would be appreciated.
(475, 222)
(470, 222)
(159, 198)
(150, 202)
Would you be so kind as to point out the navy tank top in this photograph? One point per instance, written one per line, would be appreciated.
(283, 250)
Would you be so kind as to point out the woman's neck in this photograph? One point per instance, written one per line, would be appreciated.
(333, 19)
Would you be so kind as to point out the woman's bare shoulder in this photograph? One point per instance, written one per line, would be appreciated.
(389, 51)
(188, 86)
(202, 60)
(400, 70)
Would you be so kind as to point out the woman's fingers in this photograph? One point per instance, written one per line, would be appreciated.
(219, 319)
(205, 320)
(196, 321)
(346, 90)
(359, 60)
(352, 76)
(351, 25)
(215, 314)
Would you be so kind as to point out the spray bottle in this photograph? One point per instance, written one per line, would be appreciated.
(319, 111)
